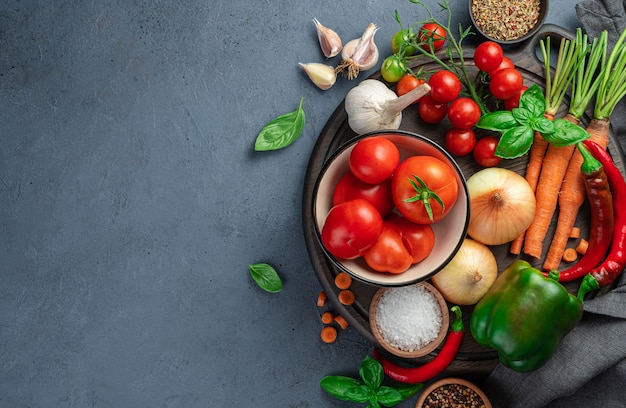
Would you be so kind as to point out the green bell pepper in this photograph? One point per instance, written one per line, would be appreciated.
(525, 315)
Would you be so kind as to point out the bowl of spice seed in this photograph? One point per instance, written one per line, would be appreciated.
(452, 392)
(409, 321)
(508, 22)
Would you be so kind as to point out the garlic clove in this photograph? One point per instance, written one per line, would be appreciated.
(329, 40)
(359, 54)
(323, 76)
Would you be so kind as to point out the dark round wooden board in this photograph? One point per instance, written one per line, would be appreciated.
(472, 358)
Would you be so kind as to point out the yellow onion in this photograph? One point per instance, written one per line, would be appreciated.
(502, 205)
(469, 275)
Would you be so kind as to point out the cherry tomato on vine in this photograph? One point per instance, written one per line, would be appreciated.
(484, 151)
(513, 101)
(463, 113)
(407, 83)
(374, 159)
(445, 86)
(488, 55)
(402, 40)
(460, 142)
(351, 229)
(393, 68)
(388, 254)
(434, 31)
(506, 63)
(379, 195)
(430, 110)
(506, 83)
(424, 189)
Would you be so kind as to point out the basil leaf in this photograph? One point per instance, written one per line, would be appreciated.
(282, 131)
(522, 115)
(409, 390)
(339, 386)
(388, 397)
(360, 393)
(543, 126)
(565, 133)
(515, 142)
(266, 277)
(533, 100)
(497, 121)
(371, 371)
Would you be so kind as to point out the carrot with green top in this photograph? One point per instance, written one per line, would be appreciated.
(557, 83)
(571, 55)
(573, 193)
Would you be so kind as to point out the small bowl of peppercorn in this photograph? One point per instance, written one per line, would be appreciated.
(453, 392)
(508, 22)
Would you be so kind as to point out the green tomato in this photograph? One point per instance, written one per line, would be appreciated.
(403, 40)
(393, 68)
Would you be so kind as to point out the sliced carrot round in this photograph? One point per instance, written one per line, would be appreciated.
(328, 317)
(346, 297)
(328, 334)
(343, 280)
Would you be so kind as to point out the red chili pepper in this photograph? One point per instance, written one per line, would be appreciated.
(415, 375)
(615, 260)
(601, 230)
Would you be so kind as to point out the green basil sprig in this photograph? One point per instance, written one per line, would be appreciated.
(266, 277)
(369, 388)
(519, 125)
(281, 131)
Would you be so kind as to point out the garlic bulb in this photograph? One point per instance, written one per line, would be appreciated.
(373, 106)
(502, 205)
(323, 76)
(469, 275)
(359, 54)
(329, 40)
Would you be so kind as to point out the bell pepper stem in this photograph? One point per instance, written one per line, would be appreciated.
(457, 323)
(588, 284)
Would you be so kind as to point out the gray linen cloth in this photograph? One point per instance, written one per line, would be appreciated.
(588, 369)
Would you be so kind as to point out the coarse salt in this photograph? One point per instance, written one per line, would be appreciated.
(408, 318)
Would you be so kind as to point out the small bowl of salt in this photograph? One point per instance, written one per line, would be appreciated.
(409, 321)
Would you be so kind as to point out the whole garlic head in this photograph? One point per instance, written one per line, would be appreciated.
(373, 106)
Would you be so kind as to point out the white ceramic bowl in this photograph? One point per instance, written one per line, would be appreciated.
(449, 232)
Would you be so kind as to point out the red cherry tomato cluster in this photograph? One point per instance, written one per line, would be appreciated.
(362, 222)
(446, 101)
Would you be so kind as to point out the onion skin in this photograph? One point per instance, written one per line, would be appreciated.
(469, 275)
(502, 205)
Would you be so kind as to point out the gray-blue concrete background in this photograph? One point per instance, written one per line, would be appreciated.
(132, 201)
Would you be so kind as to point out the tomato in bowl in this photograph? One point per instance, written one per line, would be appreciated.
(373, 253)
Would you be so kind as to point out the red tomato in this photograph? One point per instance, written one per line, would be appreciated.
(351, 228)
(379, 195)
(488, 55)
(506, 63)
(506, 83)
(460, 142)
(374, 159)
(431, 111)
(484, 151)
(407, 83)
(413, 199)
(434, 31)
(513, 101)
(445, 86)
(463, 113)
(388, 254)
(419, 239)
